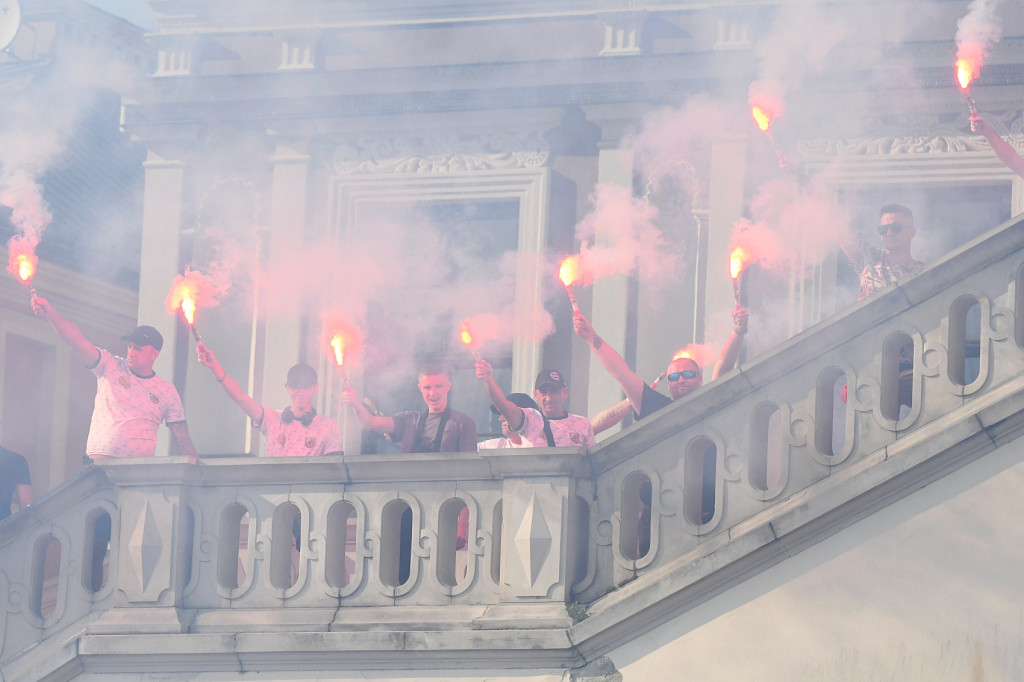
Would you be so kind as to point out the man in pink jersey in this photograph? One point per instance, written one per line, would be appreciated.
(295, 431)
(131, 400)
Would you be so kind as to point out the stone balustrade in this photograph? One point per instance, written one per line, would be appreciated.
(894, 392)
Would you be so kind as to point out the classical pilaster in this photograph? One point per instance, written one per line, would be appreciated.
(161, 254)
(283, 339)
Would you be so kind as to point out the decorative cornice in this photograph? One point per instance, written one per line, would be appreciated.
(442, 154)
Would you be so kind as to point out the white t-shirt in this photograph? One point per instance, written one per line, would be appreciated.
(573, 430)
(296, 440)
(129, 410)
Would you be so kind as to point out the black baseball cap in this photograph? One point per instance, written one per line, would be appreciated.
(549, 377)
(519, 399)
(145, 336)
(301, 376)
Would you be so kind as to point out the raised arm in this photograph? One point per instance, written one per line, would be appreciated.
(731, 349)
(1004, 151)
(368, 421)
(230, 386)
(631, 383)
(67, 331)
(606, 419)
(513, 413)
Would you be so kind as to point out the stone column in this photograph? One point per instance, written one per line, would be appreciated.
(283, 340)
(610, 295)
(725, 203)
(160, 258)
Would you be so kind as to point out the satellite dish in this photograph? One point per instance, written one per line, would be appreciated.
(10, 21)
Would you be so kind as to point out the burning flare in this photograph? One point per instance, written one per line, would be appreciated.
(466, 336)
(22, 264)
(345, 341)
(761, 117)
(569, 270)
(184, 296)
(338, 344)
(569, 273)
(965, 73)
(737, 261)
(188, 307)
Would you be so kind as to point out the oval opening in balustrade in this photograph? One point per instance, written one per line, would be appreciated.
(699, 476)
(830, 396)
(635, 519)
(452, 541)
(45, 575)
(496, 530)
(285, 541)
(233, 549)
(964, 340)
(1018, 307)
(897, 391)
(96, 562)
(765, 456)
(341, 544)
(580, 555)
(396, 543)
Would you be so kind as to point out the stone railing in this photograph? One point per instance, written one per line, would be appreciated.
(815, 434)
(307, 544)
(834, 423)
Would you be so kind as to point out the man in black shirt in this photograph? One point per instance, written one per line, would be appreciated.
(15, 482)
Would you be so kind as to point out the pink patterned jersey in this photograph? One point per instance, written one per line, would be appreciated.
(293, 439)
(129, 410)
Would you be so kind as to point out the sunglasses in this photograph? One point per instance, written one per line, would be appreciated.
(686, 374)
(895, 227)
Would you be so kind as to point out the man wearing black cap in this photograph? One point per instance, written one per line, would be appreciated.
(551, 426)
(509, 438)
(295, 431)
(131, 400)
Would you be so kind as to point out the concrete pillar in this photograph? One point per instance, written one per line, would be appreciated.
(610, 295)
(161, 254)
(289, 215)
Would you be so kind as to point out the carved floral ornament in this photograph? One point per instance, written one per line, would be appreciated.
(442, 154)
(934, 139)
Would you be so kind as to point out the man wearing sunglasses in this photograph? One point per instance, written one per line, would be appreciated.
(683, 374)
(878, 268)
